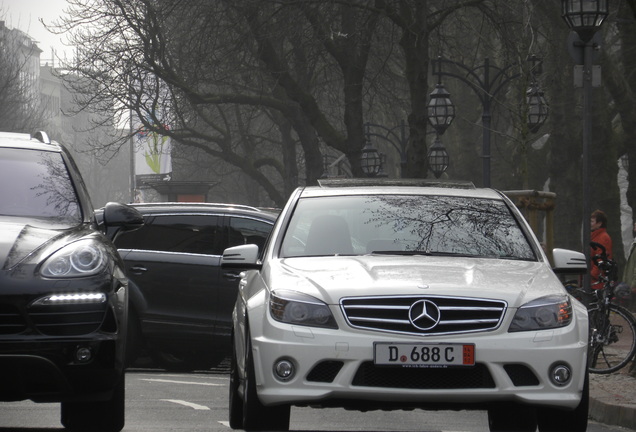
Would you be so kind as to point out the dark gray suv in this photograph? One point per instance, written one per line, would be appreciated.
(181, 299)
(63, 291)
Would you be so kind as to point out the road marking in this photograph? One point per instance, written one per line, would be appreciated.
(225, 423)
(188, 404)
(181, 382)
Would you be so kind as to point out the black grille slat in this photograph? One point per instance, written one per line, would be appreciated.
(369, 375)
(11, 321)
(68, 320)
(391, 314)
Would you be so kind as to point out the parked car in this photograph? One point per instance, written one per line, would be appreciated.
(181, 300)
(370, 296)
(63, 291)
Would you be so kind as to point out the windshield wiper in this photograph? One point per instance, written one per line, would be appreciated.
(425, 253)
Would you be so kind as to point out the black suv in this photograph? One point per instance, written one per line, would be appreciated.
(63, 291)
(181, 300)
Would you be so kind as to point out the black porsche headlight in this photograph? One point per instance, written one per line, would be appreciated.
(78, 259)
(293, 307)
(543, 313)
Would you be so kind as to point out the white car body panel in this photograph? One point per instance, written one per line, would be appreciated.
(511, 367)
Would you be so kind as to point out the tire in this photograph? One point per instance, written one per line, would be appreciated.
(257, 416)
(612, 348)
(105, 416)
(235, 399)
(512, 418)
(134, 338)
(557, 420)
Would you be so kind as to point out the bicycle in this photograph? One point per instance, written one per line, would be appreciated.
(612, 327)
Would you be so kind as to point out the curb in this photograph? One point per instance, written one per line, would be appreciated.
(612, 414)
(613, 399)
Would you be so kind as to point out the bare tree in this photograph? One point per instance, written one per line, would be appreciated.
(20, 108)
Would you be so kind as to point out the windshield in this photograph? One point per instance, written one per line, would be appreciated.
(404, 225)
(36, 184)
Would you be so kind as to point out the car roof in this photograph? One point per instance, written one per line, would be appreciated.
(398, 187)
(182, 207)
(36, 141)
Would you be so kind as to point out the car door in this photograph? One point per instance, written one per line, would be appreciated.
(174, 261)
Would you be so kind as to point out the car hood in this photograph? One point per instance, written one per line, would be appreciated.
(20, 241)
(331, 278)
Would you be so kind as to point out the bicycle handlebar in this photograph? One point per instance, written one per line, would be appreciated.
(603, 262)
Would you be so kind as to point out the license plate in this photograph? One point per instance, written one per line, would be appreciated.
(423, 354)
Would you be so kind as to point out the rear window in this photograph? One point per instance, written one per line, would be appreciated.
(405, 224)
(36, 184)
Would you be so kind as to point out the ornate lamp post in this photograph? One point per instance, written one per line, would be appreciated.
(486, 85)
(441, 113)
(370, 161)
(585, 18)
(441, 110)
(537, 107)
(438, 159)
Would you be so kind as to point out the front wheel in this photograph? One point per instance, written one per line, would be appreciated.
(512, 418)
(612, 339)
(235, 399)
(257, 416)
(106, 416)
(556, 420)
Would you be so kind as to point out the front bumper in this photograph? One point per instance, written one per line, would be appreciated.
(335, 368)
(50, 371)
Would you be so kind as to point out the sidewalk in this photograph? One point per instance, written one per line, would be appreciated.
(613, 399)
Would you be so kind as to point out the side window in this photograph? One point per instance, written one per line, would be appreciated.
(198, 234)
(248, 231)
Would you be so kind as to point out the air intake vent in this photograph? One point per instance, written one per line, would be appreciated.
(369, 375)
(68, 320)
(11, 322)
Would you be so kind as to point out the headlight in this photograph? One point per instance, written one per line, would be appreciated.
(292, 307)
(82, 258)
(543, 313)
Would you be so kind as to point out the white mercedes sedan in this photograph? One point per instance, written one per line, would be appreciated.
(399, 297)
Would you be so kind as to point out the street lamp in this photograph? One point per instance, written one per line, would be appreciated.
(441, 110)
(438, 159)
(537, 107)
(585, 17)
(441, 113)
(370, 161)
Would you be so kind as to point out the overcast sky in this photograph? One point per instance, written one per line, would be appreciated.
(25, 15)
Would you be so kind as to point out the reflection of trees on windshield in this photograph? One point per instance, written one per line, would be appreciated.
(39, 186)
(449, 225)
(56, 189)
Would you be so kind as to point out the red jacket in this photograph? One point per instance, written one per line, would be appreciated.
(602, 237)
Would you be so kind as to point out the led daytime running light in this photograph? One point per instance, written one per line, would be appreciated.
(71, 298)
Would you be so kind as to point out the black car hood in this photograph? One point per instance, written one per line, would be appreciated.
(20, 240)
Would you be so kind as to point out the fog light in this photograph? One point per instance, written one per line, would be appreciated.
(561, 374)
(284, 369)
(83, 354)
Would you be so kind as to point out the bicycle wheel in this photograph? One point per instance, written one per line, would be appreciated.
(613, 341)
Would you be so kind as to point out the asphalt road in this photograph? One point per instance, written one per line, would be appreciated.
(158, 401)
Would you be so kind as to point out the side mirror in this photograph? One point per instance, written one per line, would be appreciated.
(569, 262)
(243, 256)
(118, 218)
